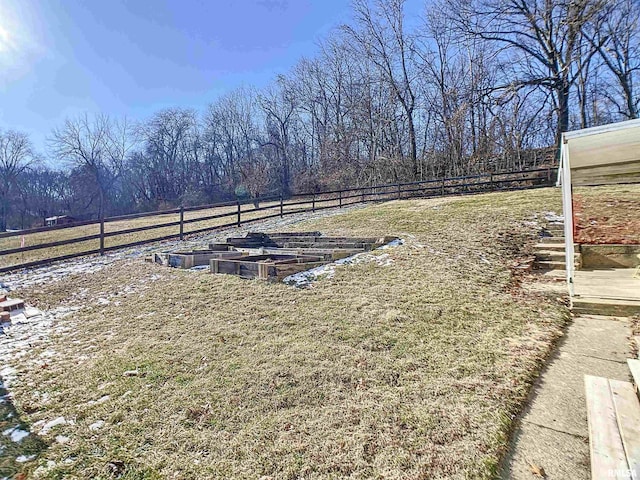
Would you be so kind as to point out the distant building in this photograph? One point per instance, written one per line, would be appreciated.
(59, 220)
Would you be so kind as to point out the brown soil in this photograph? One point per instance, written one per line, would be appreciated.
(608, 218)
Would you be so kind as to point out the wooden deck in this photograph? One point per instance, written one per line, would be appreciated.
(614, 291)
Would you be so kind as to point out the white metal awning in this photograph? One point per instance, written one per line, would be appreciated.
(607, 154)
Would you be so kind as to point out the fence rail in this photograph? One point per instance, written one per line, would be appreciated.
(48, 250)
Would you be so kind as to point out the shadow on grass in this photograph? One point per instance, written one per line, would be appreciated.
(18, 446)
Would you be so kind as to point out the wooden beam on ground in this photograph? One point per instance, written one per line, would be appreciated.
(628, 416)
(634, 366)
(607, 450)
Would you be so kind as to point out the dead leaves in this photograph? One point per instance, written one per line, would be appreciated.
(537, 470)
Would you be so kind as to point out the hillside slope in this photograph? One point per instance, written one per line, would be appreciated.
(411, 367)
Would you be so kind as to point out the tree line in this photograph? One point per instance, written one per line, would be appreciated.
(470, 86)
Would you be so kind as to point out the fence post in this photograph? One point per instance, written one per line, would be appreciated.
(281, 206)
(399, 193)
(101, 235)
(549, 174)
(442, 189)
(239, 212)
(491, 181)
(313, 203)
(340, 197)
(181, 223)
(362, 201)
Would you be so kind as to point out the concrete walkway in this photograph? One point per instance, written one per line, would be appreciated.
(553, 432)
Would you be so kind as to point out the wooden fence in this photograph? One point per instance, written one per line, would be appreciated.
(42, 245)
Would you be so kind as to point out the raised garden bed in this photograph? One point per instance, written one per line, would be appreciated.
(272, 256)
(271, 267)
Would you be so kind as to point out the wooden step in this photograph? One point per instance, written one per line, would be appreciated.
(554, 255)
(550, 265)
(605, 306)
(552, 240)
(556, 246)
(613, 414)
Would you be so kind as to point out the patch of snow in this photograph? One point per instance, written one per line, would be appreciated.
(553, 217)
(32, 312)
(43, 469)
(18, 318)
(394, 243)
(62, 439)
(102, 399)
(131, 373)
(16, 434)
(25, 458)
(26, 333)
(199, 268)
(304, 279)
(47, 427)
(95, 426)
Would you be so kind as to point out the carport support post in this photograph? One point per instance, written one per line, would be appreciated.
(238, 202)
(567, 210)
(340, 198)
(313, 203)
(281, 206)
(181, 223)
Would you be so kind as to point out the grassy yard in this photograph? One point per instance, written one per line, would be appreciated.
(410, 370)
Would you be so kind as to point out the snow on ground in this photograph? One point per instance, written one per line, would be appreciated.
(553, 217)
(304, 279)
(91, 264)
(30, 327)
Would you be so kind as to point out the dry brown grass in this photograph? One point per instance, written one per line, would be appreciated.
(413, 370)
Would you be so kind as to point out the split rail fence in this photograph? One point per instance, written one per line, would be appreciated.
(43, 245)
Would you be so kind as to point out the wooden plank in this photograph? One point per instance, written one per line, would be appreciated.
(628, 416)
(607, 451)
(11, 304)
(634, 366)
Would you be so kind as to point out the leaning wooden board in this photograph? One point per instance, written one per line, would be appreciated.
(605, 441)
(628, 417)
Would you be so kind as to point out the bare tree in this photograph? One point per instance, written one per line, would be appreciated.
(97, 147)
(279, 104)
(381, 34)
(615, 33)
(16, 155)
(542, 39)
(171, 143)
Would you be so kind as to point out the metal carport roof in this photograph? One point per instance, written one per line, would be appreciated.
(607, 154)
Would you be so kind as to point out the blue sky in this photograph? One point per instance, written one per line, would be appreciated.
(61, 58)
